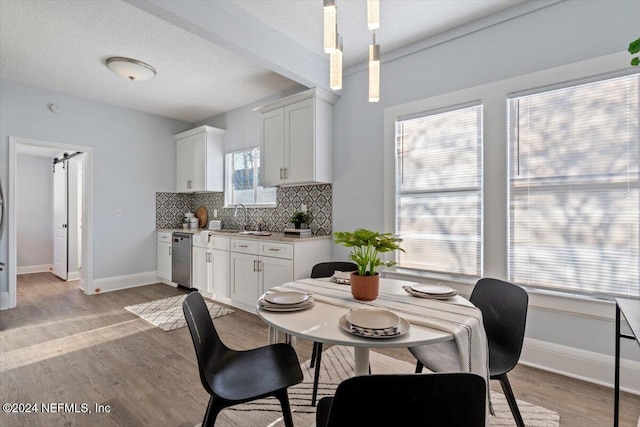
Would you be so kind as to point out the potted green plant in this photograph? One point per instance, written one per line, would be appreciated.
(298, 218)
(366, 246)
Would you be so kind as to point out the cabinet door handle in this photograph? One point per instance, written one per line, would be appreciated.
(243, 246)
(281, 173)
(286, 173)
(259, 262)
(189, 184)
(274, 249)
(254, 265)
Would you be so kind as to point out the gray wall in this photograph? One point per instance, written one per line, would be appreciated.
(560, 34)
(34, 213)
(134, 157)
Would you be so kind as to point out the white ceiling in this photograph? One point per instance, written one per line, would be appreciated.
(205, 67)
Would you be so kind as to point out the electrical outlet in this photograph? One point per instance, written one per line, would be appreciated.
(118, 213)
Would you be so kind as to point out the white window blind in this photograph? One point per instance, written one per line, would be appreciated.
(439, 190)
(574, 205)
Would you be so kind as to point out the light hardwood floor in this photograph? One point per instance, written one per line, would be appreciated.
(59, 345)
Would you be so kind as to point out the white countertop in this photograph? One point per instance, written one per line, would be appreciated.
(275, 236)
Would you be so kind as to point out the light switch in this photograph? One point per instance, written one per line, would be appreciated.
(118, 213)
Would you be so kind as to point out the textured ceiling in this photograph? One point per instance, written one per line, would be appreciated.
(401, 21)
(61, 45)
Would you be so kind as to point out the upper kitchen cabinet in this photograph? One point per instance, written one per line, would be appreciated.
(200, 160)
(296, 139)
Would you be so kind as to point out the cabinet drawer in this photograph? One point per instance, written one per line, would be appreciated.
(244, 246)
(164, 236)
(223, 243)
(276, 250)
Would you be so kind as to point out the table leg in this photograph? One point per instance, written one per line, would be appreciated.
(273, 335)
(362, 360)
(616, 398)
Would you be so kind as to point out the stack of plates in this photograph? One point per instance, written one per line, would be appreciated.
(285, 301)
(431, 291)
(374, 323)
(342, 277)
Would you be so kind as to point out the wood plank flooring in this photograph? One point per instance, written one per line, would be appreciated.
(59, 345)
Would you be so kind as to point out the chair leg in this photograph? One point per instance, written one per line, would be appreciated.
(316, 375)
(317, 348)
(419, 367)
(213, 409)
(283, 397)
(508, 393)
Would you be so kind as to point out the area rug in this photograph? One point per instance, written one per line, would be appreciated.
(337, 365)
(167, 313)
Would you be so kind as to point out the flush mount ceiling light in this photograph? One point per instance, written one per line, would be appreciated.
(130, 69)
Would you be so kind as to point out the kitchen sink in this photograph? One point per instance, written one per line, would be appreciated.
(245, 232)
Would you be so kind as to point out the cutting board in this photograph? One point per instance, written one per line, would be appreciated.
(202, 216)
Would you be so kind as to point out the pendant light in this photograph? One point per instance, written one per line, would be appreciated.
(330, 25)
(374, 71)
(335, 65)
(373, 14)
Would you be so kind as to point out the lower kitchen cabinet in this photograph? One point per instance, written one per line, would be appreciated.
(259, 265)
(210, 266)
(164, 257)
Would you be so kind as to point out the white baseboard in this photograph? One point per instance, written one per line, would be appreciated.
(73, 275)
(584, 365)
(44, 268)
(109, 284)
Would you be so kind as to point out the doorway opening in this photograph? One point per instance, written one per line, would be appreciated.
(69, 222)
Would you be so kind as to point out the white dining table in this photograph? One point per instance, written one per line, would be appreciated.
(320, 322)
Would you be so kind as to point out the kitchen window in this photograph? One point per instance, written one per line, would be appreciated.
(439, 190)
(574, 191)
(242, 180)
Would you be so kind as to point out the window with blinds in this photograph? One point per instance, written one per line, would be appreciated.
(574, 205)
(439, 190)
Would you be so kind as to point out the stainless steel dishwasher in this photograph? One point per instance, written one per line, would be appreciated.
(181, 258)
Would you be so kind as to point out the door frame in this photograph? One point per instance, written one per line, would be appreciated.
(86, 276)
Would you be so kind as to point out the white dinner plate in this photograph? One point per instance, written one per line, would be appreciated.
(285, 297)
(403, 328)
(433, 289)
(372, 318)
(285, 308)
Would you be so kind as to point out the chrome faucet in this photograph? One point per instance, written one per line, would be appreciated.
(235, 214)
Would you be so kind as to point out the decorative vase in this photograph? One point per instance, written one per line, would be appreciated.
(297, 225)
(365, 288)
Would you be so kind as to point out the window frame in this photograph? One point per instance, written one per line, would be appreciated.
(445, 190)
(228, 182)
(495, 173)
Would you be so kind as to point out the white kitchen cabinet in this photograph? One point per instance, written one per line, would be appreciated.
(296, 139)
(259, 265)
(200, 160)
(253, 273)
(164, 257)
(210, 265)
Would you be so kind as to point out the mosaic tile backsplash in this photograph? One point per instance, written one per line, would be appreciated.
(171, 207)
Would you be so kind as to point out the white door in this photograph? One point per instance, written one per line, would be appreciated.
(275, 272)
(184, 155)
(299, 157)
(272, 147)
(244, 278)
(60, 221)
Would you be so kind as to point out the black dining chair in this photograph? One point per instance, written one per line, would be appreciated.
(324, 269)
(504, 312)
(437, 400)
(232, 377)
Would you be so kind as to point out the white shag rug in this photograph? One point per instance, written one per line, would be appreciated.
(167, 313)
(337, 365)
